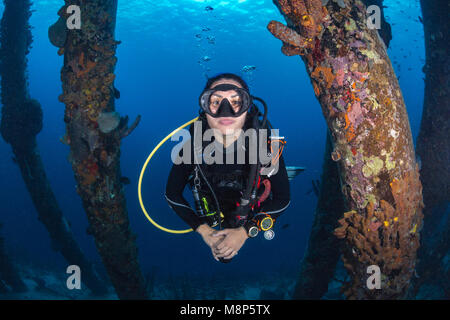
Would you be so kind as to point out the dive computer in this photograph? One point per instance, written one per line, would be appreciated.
(251, 228)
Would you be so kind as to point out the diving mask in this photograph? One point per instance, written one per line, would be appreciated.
(217, 106)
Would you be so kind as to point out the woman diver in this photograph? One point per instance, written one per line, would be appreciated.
(236, 196)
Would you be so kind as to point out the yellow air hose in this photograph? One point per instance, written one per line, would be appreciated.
(142, 176)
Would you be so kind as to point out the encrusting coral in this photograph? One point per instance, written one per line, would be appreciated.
(94, 131)
(386, 236)
(303, 18)
(355, 83)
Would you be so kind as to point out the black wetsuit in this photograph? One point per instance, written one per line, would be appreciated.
(227, 180)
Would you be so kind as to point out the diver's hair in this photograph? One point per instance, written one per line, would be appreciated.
(226, 76)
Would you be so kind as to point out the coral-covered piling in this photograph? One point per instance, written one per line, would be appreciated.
(361, 100)
(9, 275)
(21, 122)
(94, 133)
(323, 250)
(433, 145)
(317, 267)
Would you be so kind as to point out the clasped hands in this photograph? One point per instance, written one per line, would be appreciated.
(225, 243)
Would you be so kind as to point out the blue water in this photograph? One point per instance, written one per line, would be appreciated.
(160, 77)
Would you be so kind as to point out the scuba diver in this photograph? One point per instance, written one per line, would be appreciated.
(237, 197)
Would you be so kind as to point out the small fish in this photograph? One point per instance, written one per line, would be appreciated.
(420, 19)
(248, 68)
(125, 180)
(292, 172)
(209, 8)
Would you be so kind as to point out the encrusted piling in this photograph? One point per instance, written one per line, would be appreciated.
(318, 265)
(21, 122)
(433, 146)
(9, 275)
(361, 100)
(322, 254)
(94, 132)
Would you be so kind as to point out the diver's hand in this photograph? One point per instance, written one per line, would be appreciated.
(214, 254)
(231, 244)
(207, 234)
